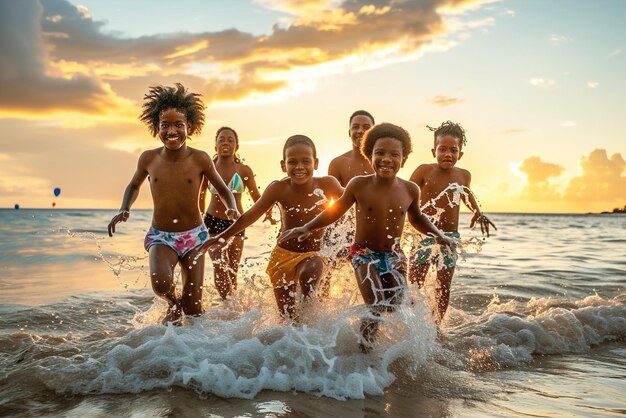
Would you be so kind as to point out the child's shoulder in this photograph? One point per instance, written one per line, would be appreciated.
(197, 152)
(150, 154)
(425, 168)
(340, 158)
(326, 181)
(461, 173)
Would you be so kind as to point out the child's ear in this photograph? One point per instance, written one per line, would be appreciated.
(460, 155)
(433, 151)
(403, 161)
(283, 166)
(316, 164)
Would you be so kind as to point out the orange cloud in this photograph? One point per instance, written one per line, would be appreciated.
(55, 49)
(602, 179)
(25, 84)
(538, 174)
(442, 100)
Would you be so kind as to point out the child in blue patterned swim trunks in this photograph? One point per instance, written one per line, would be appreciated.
(175, 172)
(383, 202)
(442, 187)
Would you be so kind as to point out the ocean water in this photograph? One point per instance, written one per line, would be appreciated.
(536, 327)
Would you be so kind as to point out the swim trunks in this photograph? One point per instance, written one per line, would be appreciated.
(285, 262)
(384, 261)
(181, 242)
(424, 253)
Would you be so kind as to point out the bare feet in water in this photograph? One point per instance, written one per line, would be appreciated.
(173, 315)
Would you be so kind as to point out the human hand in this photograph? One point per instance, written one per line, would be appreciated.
(232, 214)
(120, 217)
(211, 242)
(301, 233)
(448, 242)
(483, 221)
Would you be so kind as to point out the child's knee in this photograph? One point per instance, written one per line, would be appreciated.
(162, 284)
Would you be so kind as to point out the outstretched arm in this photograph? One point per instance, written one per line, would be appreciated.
(250, 183)
(478, 218)
(328, 216)
(265, 202)
(130, 194)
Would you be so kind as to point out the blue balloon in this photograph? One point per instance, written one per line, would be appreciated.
(17, 206)
(57, 191)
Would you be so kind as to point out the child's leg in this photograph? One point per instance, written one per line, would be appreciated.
(418, 272)
(225, 265)
(192, 272)
(395, 288)
(162, 262)
(285, 294)
(371, 289)
(234, 250)
(442, 292)
(308, 274)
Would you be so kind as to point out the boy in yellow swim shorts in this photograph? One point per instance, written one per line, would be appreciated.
(300, 197)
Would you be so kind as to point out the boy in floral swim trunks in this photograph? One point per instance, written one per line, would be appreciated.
(383, 201)
(175, 172)
(439, 182)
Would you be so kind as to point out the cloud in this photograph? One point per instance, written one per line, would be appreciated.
(540, 82)
(592, 84)
(538, 174)
(558, 40)
(442, 100)
(568, 124)
(53, 49)
(25, 80)
(602, 179)
(615, 52)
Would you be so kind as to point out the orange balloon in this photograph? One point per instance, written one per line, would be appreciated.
(54, 204)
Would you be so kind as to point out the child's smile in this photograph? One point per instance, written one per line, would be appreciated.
(172, 129)
(387, 157)
(299, 163)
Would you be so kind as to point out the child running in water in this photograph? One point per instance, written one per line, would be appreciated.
(300, 197)
(239, 176)
(439, 183)
(383, 201)
(175, 172)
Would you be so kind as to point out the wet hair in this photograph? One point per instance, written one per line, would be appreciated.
(217, 134)
(361, 113)
(161, 98)
(299, 139)
(449, 128)
(385, 130)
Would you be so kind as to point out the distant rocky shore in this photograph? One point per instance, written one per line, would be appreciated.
(616, 210)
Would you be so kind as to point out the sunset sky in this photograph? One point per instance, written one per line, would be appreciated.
(540, 87)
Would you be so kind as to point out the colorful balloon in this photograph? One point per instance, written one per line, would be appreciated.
(17, 206)
(54, 204)
(57, 191)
